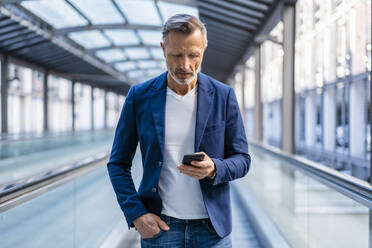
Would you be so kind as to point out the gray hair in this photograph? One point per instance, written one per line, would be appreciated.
(185, 24)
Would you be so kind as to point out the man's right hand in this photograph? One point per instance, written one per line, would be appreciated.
(148, 225)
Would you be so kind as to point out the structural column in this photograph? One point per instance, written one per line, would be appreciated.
(4, 95)
(288, 103)
(105, 114)
(329, 127)
(257, 97)
(73, 105)
(92, 109)
(45, 102)
(243, 94)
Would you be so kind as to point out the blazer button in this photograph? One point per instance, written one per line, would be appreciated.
(160, 163)
(153, 189)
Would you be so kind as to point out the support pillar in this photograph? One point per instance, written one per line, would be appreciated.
(105, 114)
(288, 103)
(4, 95)
(243, 110)
(92, 109)
(257, 97)
(73, 83)
(329, 137)
(45, 102)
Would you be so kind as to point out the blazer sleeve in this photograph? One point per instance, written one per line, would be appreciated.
(120, 163)
(236, 161)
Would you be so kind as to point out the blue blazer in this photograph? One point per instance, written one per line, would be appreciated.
(219, 133)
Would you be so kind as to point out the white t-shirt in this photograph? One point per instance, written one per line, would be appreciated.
(181, 195)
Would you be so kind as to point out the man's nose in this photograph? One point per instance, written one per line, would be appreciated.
(185, 64)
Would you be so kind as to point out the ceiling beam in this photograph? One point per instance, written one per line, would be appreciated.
(251, 4)
(222, 11)
(228, 21)
(228, 6)
(17, 15)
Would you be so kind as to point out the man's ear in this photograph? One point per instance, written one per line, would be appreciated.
(163, 48)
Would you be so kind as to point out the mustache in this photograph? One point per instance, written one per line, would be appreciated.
(183, 71)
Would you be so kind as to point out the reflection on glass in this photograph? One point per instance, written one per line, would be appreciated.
(56, 12)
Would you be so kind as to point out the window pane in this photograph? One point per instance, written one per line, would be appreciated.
(110, 55)
(170, 9)
(124, 66)
(154, 72)
(56, 12)
(137, 53)
(147, 64)
(122, 37)
(136, 74)
(157, 53)
(89, 39)
(99, 11)
(150, 37)
(140, 11)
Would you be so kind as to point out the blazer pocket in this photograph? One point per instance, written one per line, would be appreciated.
(214, 127)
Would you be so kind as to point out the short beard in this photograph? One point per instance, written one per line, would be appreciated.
(187, 82)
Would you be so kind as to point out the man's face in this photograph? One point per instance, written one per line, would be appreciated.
(184, 55)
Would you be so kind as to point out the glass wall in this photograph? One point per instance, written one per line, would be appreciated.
(332, 78)
(113, 109)
(332, 84)
(59, 104)
(271, 87)
(249, 89)
(25, 100)
(83, 100)
(99, 108)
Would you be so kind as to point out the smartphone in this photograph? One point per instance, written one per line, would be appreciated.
(187, 158)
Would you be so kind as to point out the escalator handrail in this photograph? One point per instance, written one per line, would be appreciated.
(9, 196)
(349, 186)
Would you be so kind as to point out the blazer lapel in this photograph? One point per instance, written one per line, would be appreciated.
(158, 107)
(204, 107)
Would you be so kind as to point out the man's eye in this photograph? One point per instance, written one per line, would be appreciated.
(177, 55)
(194, 56)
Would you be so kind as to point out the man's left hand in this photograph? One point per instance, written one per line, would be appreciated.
(199, 169)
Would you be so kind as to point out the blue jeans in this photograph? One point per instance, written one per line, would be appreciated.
(187, 234)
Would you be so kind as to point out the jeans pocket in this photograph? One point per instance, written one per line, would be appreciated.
(209, 226)
(154, 237)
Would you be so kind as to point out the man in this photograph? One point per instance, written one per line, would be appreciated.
(182, 111)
